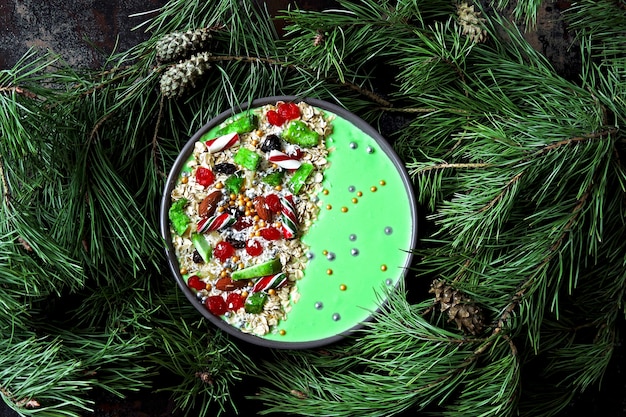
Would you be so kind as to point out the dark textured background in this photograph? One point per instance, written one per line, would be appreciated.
(84, 32)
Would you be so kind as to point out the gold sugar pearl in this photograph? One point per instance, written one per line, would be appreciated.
(249, 203)
(183, 271)
(220, 208)
(235, 258)
(278, 225)
(257, 233)
(329, 271)
(247, 212)
(282, 332)
(382, 182)
(256, 218)
(261, 223)
(219, 185)
(324, 252)
(208, 286)
(359, 194)
(343, 287)
(383, 267)
(271, 291)
(278, 187)
(355, 200)
(254, 142)
(233, 196)
(328, 207)
(223, 273)
(373, 189)
(325, 191)
(244, 294)
(259, 132)
(241, 265)
(274, 166)
(344, 209)
(184, 180)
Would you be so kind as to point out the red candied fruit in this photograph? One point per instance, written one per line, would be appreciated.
(195, 283)
(216, 305)
(273, 203)
(204, 176)
(223, 250)
(254, 247)
(270, 233)
(274, 118)
(289, 111)
(234, 301)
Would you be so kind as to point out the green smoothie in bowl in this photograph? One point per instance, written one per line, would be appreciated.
(287, 222)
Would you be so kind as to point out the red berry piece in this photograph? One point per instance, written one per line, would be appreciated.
(223, 250)
(204, 176)
(242, 223)
(289, 111)
(234, 301)
(216, 305)
(274, 118)
(273, 203)
(195, 283)
(254, 247)
(270, 233)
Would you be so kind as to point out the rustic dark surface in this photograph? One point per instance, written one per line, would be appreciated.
(84, 32)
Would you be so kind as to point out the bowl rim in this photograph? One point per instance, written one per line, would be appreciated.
(184, 155)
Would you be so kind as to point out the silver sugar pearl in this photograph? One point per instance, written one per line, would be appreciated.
(353, 145)
(352, 237)
(310, 255)
(370, 149)
(319, 305)
(352, 188)
(354, 252)
(330, 256)
(388, 281)
(388, 230)
(336, 317)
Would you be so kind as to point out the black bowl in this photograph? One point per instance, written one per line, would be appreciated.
(396, 210)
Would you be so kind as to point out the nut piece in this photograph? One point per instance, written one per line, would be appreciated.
(262, 209)
(227, 284)
(208, 206)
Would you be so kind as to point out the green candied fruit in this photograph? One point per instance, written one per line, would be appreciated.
(234, 184)
(241, 124)
(247, 159)
(177, 216)
(255, 302)
(298, 133)
(274, 178)
(202, 246)
(299, 177)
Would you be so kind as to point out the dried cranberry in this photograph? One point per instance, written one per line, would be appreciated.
(274, 118)
(234, 301)
(254, 247)
(270, 233)
(271, 143)
(225, 168)
(216, 305)
(195, 283)
(223, 250)
(289, 111)
(204, 176)
(273, 203)
(243, 223)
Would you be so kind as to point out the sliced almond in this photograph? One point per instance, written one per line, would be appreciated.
(208, 205)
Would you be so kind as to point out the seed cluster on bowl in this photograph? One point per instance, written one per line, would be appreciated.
(239, 207)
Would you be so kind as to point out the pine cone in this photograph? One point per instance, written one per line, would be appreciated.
(470, 22)
(468, 317)
(178, 45)
(178, 78)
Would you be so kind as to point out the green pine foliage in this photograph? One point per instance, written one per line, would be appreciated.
(518, 173)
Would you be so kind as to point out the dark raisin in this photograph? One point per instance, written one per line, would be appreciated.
(272, 142)
(197, 258)
(237, 244)
(225, 168)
